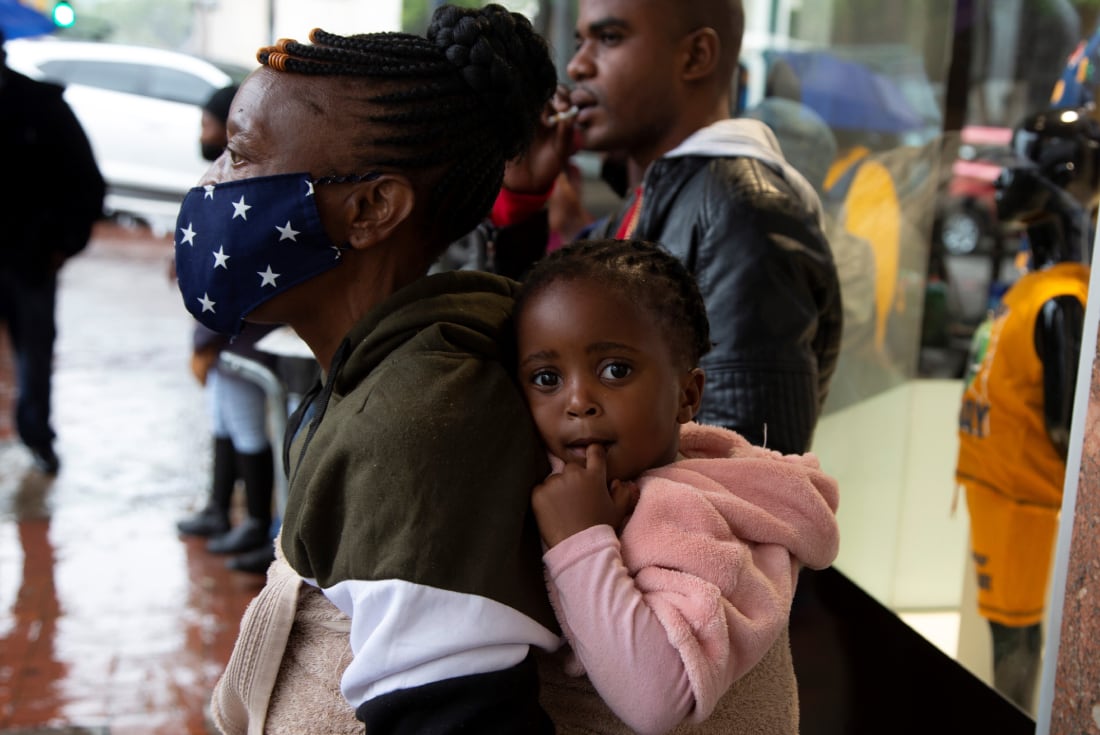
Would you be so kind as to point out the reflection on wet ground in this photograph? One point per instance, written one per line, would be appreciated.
(109, 621)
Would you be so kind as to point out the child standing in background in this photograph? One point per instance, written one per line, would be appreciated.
(672, 548)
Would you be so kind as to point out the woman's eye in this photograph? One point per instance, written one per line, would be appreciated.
(544, 379)
(615, 371)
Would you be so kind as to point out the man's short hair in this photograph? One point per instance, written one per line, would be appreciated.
(726, 17)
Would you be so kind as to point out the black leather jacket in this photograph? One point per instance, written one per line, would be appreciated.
(767, 276)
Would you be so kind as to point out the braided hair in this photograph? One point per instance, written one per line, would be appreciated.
(456, 104)
(645, 274)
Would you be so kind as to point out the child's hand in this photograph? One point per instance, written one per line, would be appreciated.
(579, 497)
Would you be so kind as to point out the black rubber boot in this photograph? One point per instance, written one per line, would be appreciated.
(249, 534)
(254, 562)
(214, 518)
(258, 471)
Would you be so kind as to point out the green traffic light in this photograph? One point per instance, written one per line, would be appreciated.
(63, 15)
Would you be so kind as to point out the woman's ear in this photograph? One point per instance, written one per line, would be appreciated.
(702, 51)
(376, 208)
(691, 394)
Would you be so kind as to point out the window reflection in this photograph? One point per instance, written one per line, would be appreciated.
(865, 100)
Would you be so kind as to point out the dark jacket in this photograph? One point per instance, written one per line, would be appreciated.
(749, 228)
(49, 208)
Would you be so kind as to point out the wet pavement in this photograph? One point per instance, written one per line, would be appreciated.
(110, 622)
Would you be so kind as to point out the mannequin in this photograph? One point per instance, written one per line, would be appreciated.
(1012, 454)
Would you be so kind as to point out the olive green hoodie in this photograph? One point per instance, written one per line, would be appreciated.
(409, 500)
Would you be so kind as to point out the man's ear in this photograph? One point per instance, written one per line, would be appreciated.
(691, 394)
(702, 50)
(376, 208)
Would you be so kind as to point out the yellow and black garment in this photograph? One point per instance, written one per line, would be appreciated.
(1012, 473)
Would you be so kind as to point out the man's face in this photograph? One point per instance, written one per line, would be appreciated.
(626, 69)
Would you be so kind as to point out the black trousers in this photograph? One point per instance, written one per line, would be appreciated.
(27, 305)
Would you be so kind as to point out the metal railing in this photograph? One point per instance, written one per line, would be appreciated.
(276, 393)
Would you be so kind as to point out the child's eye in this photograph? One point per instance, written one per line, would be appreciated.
(615, 371)
(545, 379)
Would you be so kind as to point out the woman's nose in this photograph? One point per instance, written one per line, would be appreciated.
(215, 173)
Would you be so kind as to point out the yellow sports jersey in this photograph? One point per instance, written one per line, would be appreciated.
(871, 211)
(1011, 471)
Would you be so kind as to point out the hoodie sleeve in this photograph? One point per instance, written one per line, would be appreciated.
(700, 585)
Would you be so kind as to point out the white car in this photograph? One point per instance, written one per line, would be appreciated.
(141, 109)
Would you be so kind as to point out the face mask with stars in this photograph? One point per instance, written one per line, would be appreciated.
(241, 243)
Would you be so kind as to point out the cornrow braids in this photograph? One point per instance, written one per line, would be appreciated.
(644, 273)
(455, 105)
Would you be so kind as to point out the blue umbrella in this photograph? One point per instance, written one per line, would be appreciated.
(849, 95)
(17, 20)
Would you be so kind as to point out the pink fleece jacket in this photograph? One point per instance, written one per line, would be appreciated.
(700, 585)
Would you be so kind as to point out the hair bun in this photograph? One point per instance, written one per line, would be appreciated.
(500, 57)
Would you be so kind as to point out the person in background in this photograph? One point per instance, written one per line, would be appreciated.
(652, 81)
(238, 414)
(48, 216)
(861, 194)
(805, 138)
(673, 548)
(215, 113)
(407, 592)
(1014, 422)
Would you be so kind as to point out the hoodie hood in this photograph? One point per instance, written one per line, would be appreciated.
(467, 310)
(745, 138)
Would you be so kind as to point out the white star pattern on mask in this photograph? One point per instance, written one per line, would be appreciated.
(309, 192)
(268, 277)
(273, 211)
(240, 209)
(286, 232)
(188, 235)
(221, 260)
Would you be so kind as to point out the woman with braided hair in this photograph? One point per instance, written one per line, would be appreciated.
(351, 163)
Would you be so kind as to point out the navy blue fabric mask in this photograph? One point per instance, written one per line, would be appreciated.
(240, 243)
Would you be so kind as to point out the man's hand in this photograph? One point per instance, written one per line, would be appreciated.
(534, 171)
(579, 497)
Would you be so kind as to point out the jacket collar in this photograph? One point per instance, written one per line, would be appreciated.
(746, 138)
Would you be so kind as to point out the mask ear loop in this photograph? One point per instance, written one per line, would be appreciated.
(348, 179)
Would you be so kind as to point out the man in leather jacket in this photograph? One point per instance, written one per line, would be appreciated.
(1014, 423)
(652, 80)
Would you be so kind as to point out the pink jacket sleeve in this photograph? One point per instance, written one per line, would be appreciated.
(700, 585)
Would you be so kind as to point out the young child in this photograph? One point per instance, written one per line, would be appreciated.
(672, 548)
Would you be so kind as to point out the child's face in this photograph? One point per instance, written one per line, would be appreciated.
(596, 369)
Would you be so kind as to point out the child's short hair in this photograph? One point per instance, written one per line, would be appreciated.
(643, 272)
